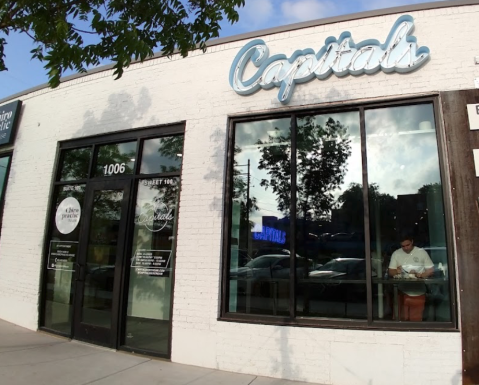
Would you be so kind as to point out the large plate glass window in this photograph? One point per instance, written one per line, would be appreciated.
(260, 236)
(349, 185)
(405, 200)
(331, 279)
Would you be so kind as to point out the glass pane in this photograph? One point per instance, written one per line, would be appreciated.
(116, 159)
(75, 164)
(331, 273)
(405, 201)
(101, 257)
(260, 236)
(162, 155)
(153, 253)
(65, 224)
(4, 161)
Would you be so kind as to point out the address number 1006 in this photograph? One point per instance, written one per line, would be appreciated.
(117, 168)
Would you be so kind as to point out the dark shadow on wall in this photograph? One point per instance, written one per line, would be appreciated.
(457, 378)
(216, 175)
(121, 113)
(285, 365)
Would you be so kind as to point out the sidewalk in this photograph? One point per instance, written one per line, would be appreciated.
(36, 358)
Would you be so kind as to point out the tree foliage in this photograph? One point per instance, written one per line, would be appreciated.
(431, 188)
(121, 30)
(322, 153)
(382, 208)
(241, 190)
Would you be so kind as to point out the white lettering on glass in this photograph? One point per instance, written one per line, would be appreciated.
(68, 215)
(155, 216)
(340, 56)
(158, 182)
(117, 168)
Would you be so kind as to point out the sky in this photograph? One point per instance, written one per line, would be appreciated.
(24, 73)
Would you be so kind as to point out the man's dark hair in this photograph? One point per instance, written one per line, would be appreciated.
(406, 237)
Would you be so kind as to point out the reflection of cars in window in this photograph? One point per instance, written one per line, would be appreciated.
(243, 258)
(341, 237)
(272, 266)
(271, 251)
(345, 268)
(321, 283)
(267, 268)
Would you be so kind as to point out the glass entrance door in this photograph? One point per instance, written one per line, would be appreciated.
(100, 262)
(148, 318)
(109, 266)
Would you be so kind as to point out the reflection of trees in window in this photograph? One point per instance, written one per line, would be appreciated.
(107, 204)
(382, 206)
(106, 216)
(431, 188)
(382, 209)
(241, 194)
(75, 164)
(242, 184)
(276, 159)
(322, 152)
(172, 148)
(160, 206)
(111, 154)
(418, 214)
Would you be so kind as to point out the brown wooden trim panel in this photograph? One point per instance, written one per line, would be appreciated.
(460, 142)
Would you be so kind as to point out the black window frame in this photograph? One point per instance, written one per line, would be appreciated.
(9, 155)
(369, 323)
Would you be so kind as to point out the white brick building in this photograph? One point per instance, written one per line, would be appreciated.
(204, 320)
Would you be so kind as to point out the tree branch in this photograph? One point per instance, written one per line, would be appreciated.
(81, 30)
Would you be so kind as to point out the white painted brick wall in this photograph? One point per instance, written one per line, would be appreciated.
(196, 90)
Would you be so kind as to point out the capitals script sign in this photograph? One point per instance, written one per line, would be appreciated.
(340, 56)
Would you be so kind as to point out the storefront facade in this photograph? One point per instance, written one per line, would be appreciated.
(213, 209)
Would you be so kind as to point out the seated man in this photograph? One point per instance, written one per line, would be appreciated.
(411, 262)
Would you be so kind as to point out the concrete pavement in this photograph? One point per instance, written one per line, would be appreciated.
(36, 358)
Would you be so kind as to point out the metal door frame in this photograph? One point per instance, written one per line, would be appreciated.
(80, 330)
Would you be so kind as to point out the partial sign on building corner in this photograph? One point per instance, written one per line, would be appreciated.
(9, 117)
(473, 116)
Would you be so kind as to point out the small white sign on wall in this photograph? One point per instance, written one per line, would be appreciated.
(473, 115)
(476, 161)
